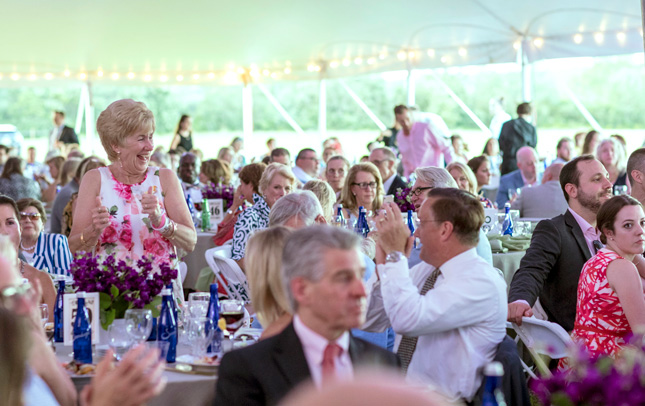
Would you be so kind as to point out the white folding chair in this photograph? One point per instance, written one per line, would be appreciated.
(542, 337)
(183, 271)
(220, 262)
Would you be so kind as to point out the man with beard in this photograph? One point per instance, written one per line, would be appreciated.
(560, 247)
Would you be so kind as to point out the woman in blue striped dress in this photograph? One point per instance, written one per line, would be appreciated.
(43, 251)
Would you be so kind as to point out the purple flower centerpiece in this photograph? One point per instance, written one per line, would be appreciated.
(596, 381)
(219, 191)
(122, 285)
(402, 199)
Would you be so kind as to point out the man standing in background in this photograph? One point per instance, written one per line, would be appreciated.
(516, 134)
(61, 134)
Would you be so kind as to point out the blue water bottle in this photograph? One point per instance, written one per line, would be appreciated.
(366, 226)
(507, 225)
(167, 325)
(411, 225)
(191, 209)
(58, 312)
(82, 332)
(174, 303)
(358, 228)
(340, 219)
(213, 314)
(493, 395)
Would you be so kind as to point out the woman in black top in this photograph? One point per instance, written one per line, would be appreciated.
(183, 139)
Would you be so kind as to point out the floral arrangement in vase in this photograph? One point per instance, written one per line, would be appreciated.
(122, 284)
(402, 199)
(219, 191)
(596, 381)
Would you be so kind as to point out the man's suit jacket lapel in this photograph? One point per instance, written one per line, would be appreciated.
(571, 222)
(290, 357)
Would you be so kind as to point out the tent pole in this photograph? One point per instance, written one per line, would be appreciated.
(411, 86)
(81, 109)
(527, 70)
(322, 108)
(247, 110)
(581, 107)
(363, 106)
(461, 104)
(280, 109)
(89, 117)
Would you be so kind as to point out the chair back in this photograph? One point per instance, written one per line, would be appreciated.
(543, 337)
(183, 271)
(220, 262)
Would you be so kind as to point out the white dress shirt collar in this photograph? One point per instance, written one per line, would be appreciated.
(387, 183)
(313, 345)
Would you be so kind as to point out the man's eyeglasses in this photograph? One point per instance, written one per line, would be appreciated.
(365, 185)
(30, 216)
(417, 191)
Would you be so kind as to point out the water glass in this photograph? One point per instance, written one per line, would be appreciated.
(620, 190)
(44, 314)
(200, 333)
(233, 313)
(198, 303)
(120, 338)
(141, 320)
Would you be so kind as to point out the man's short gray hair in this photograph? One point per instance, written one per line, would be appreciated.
(301, 203)
(435, 177)
(305, 250)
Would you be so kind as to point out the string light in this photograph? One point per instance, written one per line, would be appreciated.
(49, 76)
(599, 37)
(147, 77)
(66, 73)
(462, 52)
(401, 55)
(163, 78)
(334, 64)
(15, 76)
(621, 37)
(346, 62)
(99, 73)
(266, 72)
(358, 60)
(516, 45)
(115, 76)
(577, 38)
(180, 78)
(444, 59)
(287, 70)
(196, 76)
(382, 55)
(274, 75)
(33, 76)
(130, 75)
(412, 54)
(538, 42)
(82, 76)
(371, 61)
(431, 53)
(210, 75)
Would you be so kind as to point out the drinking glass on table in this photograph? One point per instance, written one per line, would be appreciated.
(44, 314)
(233, 313)
(514, 193)
(120, 338)
(141, 320)
(198, 303)
(200, 333)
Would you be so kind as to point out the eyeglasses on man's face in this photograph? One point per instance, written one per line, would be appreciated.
(366, 185)
(418, 190)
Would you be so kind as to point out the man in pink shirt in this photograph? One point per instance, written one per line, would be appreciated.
(422, 143)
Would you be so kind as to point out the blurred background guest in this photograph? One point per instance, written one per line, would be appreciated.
(277, 181)
(325, 195)
(480, 166)
(363, 187)
(67, 219)
(281, 156)
(34, 169)
(545, 200)
(14, 184)
(466, 180)
(182, 141)
(491, 151)
(238, 160)
(188, 171)
(591, 142)
(44, 251)
(215, 171)
(161, 159)
(516, 134)
(4, 155)
(564, 151)
(612, 155)
(500, 116)
(225, 154)
(459, 147)
(335, 173)
(65, 175)
(264, 274)
(249, 186)
(386, 162)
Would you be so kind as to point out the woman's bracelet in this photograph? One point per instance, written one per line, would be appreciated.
(170, 226)
(162, 224)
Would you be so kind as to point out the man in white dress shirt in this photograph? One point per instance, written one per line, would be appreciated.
(307, 165)
(188, 171)
(449, 311)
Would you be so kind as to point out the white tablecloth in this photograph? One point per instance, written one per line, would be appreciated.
(508, 263)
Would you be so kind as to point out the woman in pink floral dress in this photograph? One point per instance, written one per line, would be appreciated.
(128, 208)
(611, 302)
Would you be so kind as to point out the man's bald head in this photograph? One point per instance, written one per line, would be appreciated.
(527, 160)
(552, 172)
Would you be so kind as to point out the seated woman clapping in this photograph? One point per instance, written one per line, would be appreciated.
(611, 303)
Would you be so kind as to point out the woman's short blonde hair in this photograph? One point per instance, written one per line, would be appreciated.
(467, 172)
(325, 194)
(271, 171)
(264, 273)
(348, 199)
(120, 120)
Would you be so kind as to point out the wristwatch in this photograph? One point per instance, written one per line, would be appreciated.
(394, 256)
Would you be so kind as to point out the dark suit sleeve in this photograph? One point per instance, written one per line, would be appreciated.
(235, 383)
(69, 136)
(543, 253)
(533, 141)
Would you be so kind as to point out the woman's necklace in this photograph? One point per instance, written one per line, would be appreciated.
(28, 248)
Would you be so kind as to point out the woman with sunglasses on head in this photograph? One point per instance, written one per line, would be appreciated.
(44, 251)
(10, 226)
(363, 187)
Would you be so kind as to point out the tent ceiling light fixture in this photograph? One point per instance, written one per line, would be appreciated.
(599, 37)
(577, 38)
(538, 42)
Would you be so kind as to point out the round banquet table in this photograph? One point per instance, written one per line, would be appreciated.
(196, 260)
(181, 388)
(508, 263)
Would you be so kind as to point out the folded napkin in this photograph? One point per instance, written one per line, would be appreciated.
(505, 243)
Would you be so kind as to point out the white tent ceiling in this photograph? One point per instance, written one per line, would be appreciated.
(199, 41)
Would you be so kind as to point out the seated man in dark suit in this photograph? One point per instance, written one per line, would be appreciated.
(322, 268)
(560, 247)
(385, 161)
(526, 175)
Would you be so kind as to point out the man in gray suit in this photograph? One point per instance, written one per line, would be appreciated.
(543, 201)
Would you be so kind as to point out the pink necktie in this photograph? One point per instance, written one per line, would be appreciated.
(332, 351)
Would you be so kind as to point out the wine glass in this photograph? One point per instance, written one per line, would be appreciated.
(233, 313)
(120, 338)
(141, 320)
(44, 314)
(200, 333)
(198, 303)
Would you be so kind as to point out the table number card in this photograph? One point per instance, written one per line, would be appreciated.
(490, 219)
(216, 207)
(70, 304)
